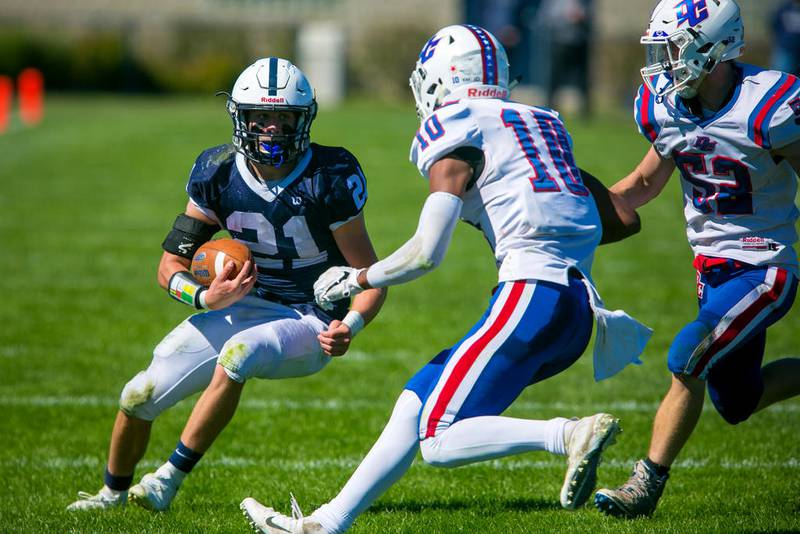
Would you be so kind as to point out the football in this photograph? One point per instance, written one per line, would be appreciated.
(212, 256)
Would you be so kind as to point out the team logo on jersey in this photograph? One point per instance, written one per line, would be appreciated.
(297, 201)
(705, 144)
(692, 11)
(429, 49)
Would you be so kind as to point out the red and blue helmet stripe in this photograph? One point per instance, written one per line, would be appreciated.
(646, 115)
(488, 54)
(761, 117)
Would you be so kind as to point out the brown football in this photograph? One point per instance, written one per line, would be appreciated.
(213, 255)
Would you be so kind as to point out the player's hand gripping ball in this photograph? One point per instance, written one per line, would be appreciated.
(211, 258)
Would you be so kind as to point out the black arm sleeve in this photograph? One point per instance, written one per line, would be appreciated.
(187, 235)
(618, 220)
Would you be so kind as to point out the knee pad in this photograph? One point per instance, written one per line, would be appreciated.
(684, 346)
(433, 453)
(236, 358)
(243, 357)
(136, 399)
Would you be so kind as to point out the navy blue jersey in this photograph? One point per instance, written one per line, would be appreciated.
(286, 223)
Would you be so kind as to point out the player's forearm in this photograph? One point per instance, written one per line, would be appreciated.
(423, 252)
(646, 181)
(632, 191)
(169, 265)
(369, 303)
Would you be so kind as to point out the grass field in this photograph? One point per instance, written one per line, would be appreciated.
(88, 196)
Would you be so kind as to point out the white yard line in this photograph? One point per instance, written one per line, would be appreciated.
(345, 404)
(349, 463)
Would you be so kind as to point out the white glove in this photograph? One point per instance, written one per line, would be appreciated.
(336, 283)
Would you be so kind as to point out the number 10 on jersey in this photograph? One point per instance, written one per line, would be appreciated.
(552, 131)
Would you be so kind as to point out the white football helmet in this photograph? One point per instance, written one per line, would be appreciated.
(686, 39)
(272, 84)
(459, 61)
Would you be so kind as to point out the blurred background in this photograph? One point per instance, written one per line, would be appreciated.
(568, 52)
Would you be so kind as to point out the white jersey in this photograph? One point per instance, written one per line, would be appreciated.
(529, 201)
(739, 200)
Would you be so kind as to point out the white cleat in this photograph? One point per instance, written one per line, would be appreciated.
(155, 491)
(102, 500)
(590, 437)
(265, 520)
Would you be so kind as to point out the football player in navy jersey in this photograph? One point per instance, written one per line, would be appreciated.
(298, 206)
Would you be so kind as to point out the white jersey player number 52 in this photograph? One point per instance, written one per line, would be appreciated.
(718, 195)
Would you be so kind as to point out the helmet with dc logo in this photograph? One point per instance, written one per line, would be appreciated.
(686, 39)
(272, 84)
(459, 61)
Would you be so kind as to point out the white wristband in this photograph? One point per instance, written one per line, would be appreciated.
(355, 321)
(201, 299)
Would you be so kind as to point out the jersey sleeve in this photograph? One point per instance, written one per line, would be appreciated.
(449, 128)
(207, 178)
(644, 111)
(775, 122)
(348, 193)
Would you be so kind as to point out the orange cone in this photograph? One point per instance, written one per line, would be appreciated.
(30, 86)
(6, 98)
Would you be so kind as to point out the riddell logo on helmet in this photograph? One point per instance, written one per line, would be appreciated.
(273, 99)
(490, 93)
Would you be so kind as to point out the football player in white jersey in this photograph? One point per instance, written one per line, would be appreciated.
(507, 169)
(733, 132)
(298, 206)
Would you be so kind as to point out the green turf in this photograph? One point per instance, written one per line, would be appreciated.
(86, 199)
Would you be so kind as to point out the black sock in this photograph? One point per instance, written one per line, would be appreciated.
(117, 483)
(658, 469)
(185, 458)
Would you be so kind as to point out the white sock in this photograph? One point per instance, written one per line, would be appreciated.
(485, 438)
(387, 461)
(569, 427)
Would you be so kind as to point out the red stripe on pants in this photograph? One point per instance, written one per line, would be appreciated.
(464, 364)
(738, 324)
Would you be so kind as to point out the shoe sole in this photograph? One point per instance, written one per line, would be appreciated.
(249, 518)
(583, 477)
(609, 506)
